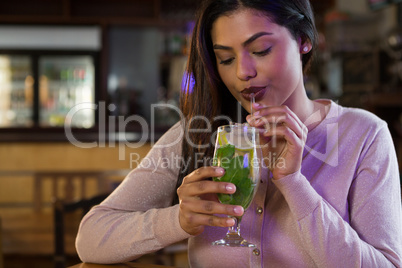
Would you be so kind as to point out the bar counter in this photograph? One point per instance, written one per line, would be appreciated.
(121, 265)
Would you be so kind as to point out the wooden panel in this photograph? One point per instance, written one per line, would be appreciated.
(80, 11)
(65, 156)
(17, 191)
(115, 8)
(29, 7)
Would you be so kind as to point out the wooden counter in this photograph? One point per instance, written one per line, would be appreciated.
(122, 265)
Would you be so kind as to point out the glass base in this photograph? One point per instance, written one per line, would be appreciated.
(233, 240)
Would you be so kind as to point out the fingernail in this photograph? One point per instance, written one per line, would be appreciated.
(256, 113)
(230, 187)
(220, 170)
(230, 222)
(238, 210)
(256, 104)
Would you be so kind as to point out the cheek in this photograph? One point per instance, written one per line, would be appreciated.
(283, 67)
(272, 69)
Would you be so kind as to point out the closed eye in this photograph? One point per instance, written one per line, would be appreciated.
(264, 52)
(226, 62)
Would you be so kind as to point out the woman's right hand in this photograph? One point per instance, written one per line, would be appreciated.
(199, 202)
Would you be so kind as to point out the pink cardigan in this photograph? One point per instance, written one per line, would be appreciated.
(343, 209)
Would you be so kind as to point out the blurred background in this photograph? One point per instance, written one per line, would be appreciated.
(87, 86)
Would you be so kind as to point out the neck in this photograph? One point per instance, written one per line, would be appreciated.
(310, 112)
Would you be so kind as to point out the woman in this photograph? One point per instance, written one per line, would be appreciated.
(334, 201)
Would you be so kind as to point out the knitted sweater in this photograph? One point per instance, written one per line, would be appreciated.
(342, 209)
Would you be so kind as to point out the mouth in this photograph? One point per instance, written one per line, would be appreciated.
(257, 92)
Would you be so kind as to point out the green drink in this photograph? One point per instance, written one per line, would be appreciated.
(237, 151)
(236, 163)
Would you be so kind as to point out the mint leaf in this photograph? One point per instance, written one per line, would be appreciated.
(232, 167)
(236, 173)
(224, 154)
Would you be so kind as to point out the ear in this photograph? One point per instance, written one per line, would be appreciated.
(304, 45)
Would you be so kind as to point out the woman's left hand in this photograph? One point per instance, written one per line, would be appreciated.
(282, 138)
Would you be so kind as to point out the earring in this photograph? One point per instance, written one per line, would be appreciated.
(305, 49)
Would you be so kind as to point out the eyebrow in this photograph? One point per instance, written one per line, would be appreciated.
(245, 43)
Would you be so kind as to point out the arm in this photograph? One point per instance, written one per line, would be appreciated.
(373, 238)
(137, 218)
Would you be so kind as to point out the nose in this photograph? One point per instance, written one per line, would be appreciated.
(246, 68)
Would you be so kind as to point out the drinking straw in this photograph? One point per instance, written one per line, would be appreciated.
(252, 102)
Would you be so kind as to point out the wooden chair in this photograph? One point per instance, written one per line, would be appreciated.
(60, 209)
(68, 177)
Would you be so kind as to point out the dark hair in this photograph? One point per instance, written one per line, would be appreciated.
(207, 95)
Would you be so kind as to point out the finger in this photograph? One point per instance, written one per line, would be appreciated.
(198, 188)
(264, 111)
(278, 116)
(211, 207)
(285, 120)
(288, 134)
(275, 119)
(196, 219)
(210, 197)
(203, 173)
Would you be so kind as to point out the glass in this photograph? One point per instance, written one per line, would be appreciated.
(237, 151)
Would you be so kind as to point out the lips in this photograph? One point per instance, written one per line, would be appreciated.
(257, 92)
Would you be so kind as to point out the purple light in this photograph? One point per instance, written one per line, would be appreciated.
(245, 161)
(187, 83)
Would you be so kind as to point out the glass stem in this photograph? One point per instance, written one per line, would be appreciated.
(235, 229)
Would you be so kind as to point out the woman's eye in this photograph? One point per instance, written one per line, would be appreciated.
(226, 62)
(264, 52)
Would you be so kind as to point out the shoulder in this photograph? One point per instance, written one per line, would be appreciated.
(172, 137)
(357, 119)
(358, 128)
(164, 155)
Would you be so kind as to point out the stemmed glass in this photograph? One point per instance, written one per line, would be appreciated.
(237, 151)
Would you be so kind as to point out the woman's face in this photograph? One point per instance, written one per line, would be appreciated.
(257, 57)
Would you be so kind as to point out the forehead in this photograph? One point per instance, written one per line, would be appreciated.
(242, 24)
